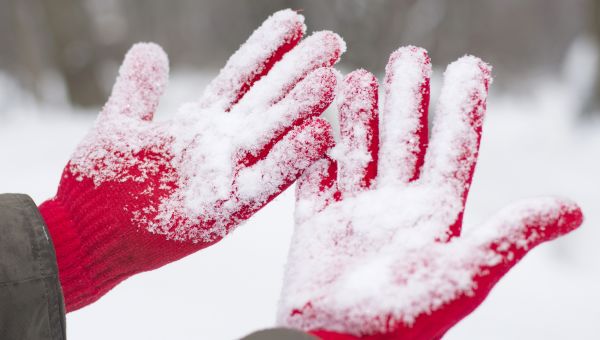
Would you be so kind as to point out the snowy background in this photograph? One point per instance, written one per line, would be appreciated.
(535, 142)
(532, 145)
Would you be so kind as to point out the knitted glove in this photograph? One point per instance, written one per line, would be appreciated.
(139, 194)
(377, 251)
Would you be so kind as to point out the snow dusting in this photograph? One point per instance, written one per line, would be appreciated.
(282, 29)
(406, 89)
(209, 165)
(358, 126)
(381, 251)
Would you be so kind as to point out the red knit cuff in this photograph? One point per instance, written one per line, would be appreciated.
(327, 335)
(73, 274)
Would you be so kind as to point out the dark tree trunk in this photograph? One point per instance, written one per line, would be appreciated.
(74, 50)
(592, 106)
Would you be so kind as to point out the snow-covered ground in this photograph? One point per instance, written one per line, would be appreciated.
(532, 145)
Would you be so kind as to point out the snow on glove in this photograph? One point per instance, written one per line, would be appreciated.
(139, 194)
(377, 251)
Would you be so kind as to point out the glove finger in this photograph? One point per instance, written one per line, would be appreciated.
(359, 130)
(454, 145)
(142, 80)
(322, 49)
(456, 277)
(274, 38)
(404, 119)
(522, 226)
(297, 150)
(315, 189)
(494, 248)
(310, 97)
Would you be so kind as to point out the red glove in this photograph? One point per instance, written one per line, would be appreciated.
(139, 194)
(376, 253)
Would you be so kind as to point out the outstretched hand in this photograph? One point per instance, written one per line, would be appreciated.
(138, 194)
(377, 251)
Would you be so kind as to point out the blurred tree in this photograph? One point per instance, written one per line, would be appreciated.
(592, 105)
(74, 49)
(84, 40)
(25, 46)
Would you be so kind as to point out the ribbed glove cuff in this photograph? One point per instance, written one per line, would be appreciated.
(86, 252)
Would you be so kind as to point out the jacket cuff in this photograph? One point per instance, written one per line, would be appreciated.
(31, 298)
(279, 334)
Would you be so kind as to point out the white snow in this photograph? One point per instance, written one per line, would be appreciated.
(376, 253)
(281, 28)
(357, 114)
(531, 146)
(198, 156)
(316, 51)
(457, 124)
(406, 73)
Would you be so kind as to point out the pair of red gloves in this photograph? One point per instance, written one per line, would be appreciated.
(376, 253)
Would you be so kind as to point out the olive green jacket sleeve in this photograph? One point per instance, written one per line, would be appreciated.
(279, 334)
(31, 301)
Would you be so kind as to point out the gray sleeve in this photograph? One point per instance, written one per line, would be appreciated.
(279, 334)
(31, 300)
